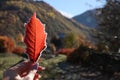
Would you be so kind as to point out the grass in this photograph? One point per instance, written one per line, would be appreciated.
(7, 60)
(52, 70)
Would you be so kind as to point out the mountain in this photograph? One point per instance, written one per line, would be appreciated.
(13, 15)
(87, 18)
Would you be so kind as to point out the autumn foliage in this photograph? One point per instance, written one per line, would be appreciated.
(18, 50)
(65, 51)
(35, 38)
(6, 44)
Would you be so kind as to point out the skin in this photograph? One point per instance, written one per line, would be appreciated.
(25, 70)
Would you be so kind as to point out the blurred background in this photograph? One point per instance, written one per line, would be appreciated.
(83, 41)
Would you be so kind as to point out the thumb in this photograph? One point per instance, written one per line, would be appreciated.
(30, 76)
(31, 73)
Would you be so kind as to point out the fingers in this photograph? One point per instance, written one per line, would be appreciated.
(31, 72)
(33, 75)
(40, 68)
(37, 76)
(30, 75)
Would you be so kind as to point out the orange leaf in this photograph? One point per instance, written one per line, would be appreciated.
(35, 38)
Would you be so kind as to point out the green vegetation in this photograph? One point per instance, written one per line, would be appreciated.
(51, 66)
(7, 60)
(71, 41)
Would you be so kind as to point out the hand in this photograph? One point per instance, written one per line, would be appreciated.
(25, 70)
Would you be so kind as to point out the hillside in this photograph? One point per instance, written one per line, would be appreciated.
(13, 15)
(87, 18)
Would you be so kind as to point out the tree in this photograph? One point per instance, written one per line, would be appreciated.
(71, 40)
(109, 22)
(6, 44)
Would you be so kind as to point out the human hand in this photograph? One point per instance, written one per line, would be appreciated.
(25, 70)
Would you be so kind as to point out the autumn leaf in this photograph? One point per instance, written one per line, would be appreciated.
(35, 38)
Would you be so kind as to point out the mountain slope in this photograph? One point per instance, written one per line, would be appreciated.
(13, 15)
(87, 18)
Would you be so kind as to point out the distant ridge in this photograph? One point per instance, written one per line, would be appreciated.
(87, 18)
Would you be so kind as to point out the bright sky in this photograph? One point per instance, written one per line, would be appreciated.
(72, 8)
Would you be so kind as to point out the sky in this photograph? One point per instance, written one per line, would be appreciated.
(70, 8)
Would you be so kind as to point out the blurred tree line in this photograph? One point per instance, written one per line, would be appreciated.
(8, 45)
(109, 24)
